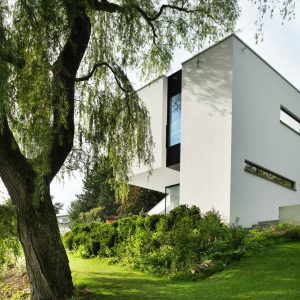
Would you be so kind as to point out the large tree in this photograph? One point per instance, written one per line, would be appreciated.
(65, 97)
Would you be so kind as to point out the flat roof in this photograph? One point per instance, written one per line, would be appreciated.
(248, 47)
(216, 44)
(150, 82)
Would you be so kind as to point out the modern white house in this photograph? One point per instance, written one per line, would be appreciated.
(63, 222)
(226, 129)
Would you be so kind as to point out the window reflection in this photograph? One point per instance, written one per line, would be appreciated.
(267, 174)
(173, 194)
(174, 119)
(289, 120)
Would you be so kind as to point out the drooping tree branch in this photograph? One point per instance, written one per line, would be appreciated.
(149, 22)
(107, 6)
(112, 69)
(110, 7)
(151, 19)
(14, 167)
(91, 73)
(172, 7)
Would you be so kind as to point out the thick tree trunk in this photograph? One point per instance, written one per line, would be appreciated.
(46, 259)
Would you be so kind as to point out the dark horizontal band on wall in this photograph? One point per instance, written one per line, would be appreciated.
(274, 177)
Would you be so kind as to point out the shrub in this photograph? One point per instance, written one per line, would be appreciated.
(171, 244)
(91, 239)
(10, 247)
(280, 232)
(182, 241)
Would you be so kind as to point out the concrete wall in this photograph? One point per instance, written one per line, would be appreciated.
(154, 96)
(157, 180)
(289, 214)
(206, 129)
(258, 136)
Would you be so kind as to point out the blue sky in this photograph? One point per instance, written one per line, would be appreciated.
(280, 48)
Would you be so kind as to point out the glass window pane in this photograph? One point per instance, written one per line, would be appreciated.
(174, 119)
(173, 194)
(289, 121)
(267, 174)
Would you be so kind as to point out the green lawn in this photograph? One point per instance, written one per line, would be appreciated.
(272, 274)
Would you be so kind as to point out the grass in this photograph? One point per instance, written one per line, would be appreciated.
(272, 274)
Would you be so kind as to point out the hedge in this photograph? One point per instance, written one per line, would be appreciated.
(179, 242)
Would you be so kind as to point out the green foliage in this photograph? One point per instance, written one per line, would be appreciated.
(182, 241)
(91, 239)
(9, 243)
(278, 233)
(38, 76)
(171, 244)
(97, 193)
(95, 214)
(98, 199)
(261, 238)
(138, 200)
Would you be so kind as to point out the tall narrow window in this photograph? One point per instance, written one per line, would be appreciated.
(173, 194)
(174, 119)
(289, 119)
(269, 175)
(173, 127)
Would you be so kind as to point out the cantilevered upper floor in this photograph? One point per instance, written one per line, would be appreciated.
(222, 125)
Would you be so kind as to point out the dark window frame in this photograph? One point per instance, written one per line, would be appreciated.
(174, 88)
(271, 173)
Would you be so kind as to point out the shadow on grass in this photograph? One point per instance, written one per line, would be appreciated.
(120, 286)
(273, 274)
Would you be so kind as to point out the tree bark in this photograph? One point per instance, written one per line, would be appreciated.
(47, 267)
(46, 260)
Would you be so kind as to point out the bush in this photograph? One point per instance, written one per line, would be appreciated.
(182, 241)
(9, 243)
(92, 239)
(281, 232)
(171, 244)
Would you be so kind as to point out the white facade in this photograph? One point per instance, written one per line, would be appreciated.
(63, 222)
(230, 113)
(206, 129)
(154, 96)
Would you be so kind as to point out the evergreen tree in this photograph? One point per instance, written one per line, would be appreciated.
(139, 200)
(97, 193)
(98, 200)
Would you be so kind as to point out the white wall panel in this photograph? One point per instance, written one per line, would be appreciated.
(258, 135)
(206, 129)
(154, 96)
